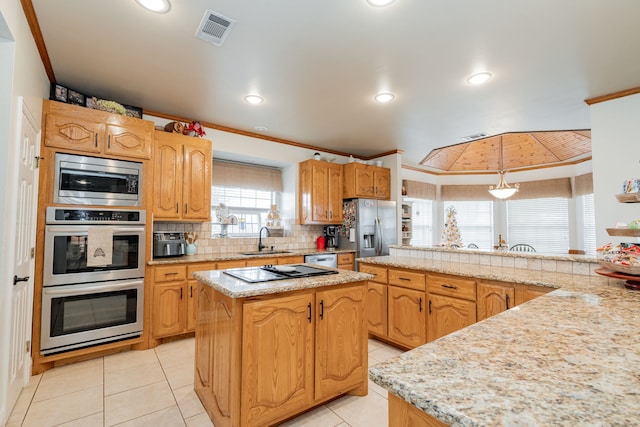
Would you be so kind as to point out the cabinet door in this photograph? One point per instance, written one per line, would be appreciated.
(319, 193)
(446, 315)
(364, 181)
(73, 133)
(277, 358)
(526, 293)
(493, 299)
(129, 141)
(197, 181)
(168, 309)
(382, 182)
(407, 320)
(204, 339)
(334, 194)
(341, 341)
(167, 180)
(377, 308)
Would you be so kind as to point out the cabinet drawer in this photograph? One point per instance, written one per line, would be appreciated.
(200, 267)
(452, 286)
(345, 258)
(379, 272)
(407, 279)
(170, 273)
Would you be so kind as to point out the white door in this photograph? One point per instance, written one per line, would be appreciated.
(25, 231)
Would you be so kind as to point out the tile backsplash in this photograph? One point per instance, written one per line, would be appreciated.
(295, 237)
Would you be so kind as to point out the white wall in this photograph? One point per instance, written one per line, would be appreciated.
(615, 133)
(21, 74)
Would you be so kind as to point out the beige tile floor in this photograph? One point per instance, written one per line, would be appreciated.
(155, 388)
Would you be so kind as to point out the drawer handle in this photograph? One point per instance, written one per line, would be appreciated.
(449, 286)
(405, 279)
(173, 273)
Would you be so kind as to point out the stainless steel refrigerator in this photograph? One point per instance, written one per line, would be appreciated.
(369, 226)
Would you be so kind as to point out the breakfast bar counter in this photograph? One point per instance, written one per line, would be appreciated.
(570, 357)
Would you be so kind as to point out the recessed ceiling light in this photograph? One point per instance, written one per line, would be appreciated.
(261, 128)
(479, 78)
(384, 97)
(254, 99)
(380, 3)
(158, 6)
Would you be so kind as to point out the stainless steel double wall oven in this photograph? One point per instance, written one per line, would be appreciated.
(85, 304)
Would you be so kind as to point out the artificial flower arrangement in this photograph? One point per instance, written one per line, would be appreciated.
(194, 129)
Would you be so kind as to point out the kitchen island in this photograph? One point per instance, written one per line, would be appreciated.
(268, 351)
(569, 357)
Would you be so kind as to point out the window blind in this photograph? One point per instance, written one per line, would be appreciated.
(475, 221)
(242, 175)
(421, 221)
(542, 223)
(589, 223)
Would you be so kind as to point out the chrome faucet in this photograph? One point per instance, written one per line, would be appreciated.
(260, 245)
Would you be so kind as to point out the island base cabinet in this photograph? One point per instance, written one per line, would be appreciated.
(261, 360)
(341, 342)
(277, 358)
(403, 414)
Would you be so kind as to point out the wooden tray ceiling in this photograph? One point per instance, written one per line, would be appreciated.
(511, 151)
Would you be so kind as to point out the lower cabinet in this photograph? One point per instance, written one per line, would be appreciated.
(447, 315)
(493, 299)
(345, 261)
(407, 319)
(377, 308)
(295, 351)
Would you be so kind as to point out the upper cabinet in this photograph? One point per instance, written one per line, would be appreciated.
(320, 192)
(366, 181)
(182, 177)
(88, 131)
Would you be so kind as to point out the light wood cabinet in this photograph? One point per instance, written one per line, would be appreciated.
(377, 308)
(345, 260)
(451, 304)
(493, 299)
(320, 192)
(182, 177)
(526, 293)
(407, 319)
(366, 181)
(341, 342)
(297, 259)
(94, 132)
(277, 341)
(296, 350)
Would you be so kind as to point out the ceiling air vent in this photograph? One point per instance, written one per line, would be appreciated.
(474, 136)
(214, 27)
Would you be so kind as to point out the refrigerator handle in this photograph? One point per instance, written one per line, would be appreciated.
(379, 236)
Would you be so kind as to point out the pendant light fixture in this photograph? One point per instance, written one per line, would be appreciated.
(503, 190)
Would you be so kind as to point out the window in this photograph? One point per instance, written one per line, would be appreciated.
(421, 221)
(542, 223)
(248, 192)
(589, 223)
(475, 222)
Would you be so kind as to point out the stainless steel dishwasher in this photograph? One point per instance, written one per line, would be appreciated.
(328, 260)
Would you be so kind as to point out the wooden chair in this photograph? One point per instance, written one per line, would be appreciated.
(522, 247)
(472, 246)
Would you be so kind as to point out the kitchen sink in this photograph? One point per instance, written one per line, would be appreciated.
(265, 252)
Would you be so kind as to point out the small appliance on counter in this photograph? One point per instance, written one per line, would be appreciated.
(330, 233)
(168, 245)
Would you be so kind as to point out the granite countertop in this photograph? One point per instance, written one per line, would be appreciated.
(238, 256)
(569, 357)
(236, 288)
(555, 279)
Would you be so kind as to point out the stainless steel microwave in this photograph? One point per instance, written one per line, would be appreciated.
(84, 180)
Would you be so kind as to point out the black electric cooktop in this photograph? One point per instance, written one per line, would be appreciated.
(268, 273)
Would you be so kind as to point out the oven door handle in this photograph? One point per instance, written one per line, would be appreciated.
(89, 289)
(57, 229)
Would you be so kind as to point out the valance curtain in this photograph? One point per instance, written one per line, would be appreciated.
(242, 175)
(419, 190)
(560, 187)
(584, 184)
